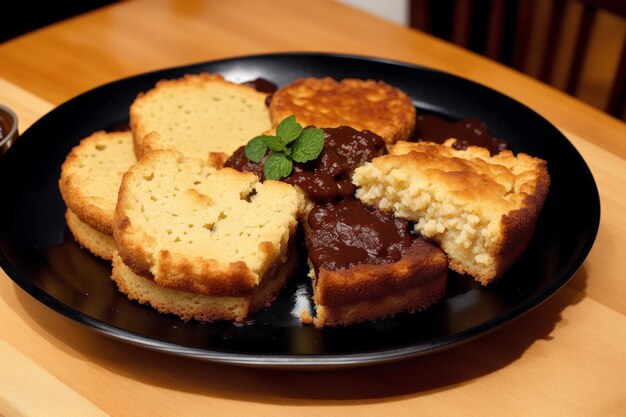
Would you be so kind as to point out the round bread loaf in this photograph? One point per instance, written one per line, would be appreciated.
(361, 104)
(480, 209)
(192, 228)
(198, 115)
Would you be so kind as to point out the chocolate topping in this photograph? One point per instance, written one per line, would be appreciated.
(470, 132)
(262, 85)
(327, 178)
(349, 233)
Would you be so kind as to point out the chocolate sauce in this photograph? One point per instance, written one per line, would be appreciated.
(327, 178)
(469, 132)
(240, 162)
(262, 85)
(349, 233)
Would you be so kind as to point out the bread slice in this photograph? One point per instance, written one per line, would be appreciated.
(188, 305)
(192, 228)
(90, 178)
(98, 243)
(361, 104)
(370, 291)
(482, 210)
(196, 115)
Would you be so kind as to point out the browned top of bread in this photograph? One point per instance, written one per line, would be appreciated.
(480, 209)
(362, 104)
(196, 115)
(91, 176)
(196, 229)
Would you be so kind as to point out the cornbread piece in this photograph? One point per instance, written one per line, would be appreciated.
(189, 305)
(215, 233)
(366, 264)
(197, 115)
(361, 104)
(90, 178)
(482, 210)
(98, 243)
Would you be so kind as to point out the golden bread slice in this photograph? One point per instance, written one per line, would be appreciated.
(196, 115)
(192, 228)
(480, 209)
(98, 243)
(90, 178)
(361, 104)
(188, 305)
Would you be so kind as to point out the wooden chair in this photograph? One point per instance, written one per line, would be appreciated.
(499, 29)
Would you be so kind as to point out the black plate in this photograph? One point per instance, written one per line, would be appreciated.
(39, 254)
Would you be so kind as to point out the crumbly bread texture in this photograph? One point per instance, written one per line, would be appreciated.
(198, 115)
(193, 228)
(91, 176)
(367, 292)
(361, 104)
(189, 305)
(98, 243)
(480, 209)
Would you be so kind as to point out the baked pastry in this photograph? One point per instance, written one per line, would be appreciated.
(366, 264)
(361, 104)
(480, 209)
(90, 178)
(190, 305)
(198, 115)
(98, 243)
(218, 233)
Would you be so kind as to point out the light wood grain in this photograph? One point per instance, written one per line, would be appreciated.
(567, 357)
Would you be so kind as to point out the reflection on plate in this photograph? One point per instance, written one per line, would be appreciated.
(40, 255)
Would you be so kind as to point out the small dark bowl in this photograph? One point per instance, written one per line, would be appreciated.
(8, 128)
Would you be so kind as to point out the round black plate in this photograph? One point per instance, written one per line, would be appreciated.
(39, 254)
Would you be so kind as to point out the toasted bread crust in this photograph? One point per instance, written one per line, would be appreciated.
(190, 305)
(91, 174)
(197, 114)
(362, 104)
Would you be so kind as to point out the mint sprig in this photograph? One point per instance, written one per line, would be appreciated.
(291, 143)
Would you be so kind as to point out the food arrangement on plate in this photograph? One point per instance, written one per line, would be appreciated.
(200, 204)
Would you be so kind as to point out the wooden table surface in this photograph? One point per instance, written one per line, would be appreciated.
(567, 357)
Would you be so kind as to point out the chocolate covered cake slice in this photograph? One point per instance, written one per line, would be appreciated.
(366, 264)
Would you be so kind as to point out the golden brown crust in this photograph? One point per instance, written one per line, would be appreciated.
(98, 243)
(363, 104)
(91, 174)
(189, 305)
(408, 301)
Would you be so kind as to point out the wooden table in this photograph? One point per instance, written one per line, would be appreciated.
(566, 357)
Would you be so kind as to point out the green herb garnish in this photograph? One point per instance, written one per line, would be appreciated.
(291, 143)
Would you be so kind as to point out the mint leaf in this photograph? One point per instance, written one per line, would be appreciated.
(277, 166)
(289, 129)
(274, 143)
(308, 145)
(256, 149)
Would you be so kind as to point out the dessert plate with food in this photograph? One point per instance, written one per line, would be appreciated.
(295, 210)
